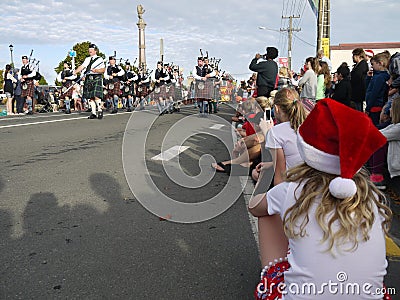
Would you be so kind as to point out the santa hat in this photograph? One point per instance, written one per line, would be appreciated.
(369, 52)
(337, 139)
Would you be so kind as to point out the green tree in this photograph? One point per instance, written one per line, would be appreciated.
(43, 81)
(81, 50)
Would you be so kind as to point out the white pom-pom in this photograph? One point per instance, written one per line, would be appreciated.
(342, 188)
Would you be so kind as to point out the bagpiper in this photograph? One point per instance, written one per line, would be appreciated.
(66, 77)
(93, 87)
(27, 76)
(113, 75)
(159, 78)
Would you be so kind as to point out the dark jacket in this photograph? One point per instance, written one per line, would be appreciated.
(357, 80)
(376, 89)
(342, 91)
(267, 70)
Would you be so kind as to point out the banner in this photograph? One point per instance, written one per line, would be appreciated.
(314, 6)
(283, 62)
(325, 44)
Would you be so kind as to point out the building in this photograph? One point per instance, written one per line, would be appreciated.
(342, 52)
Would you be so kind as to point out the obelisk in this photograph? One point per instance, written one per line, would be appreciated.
(142, 43)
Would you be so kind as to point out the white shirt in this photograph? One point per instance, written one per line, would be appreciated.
(282, 136)
(312, 265)
(98, 64)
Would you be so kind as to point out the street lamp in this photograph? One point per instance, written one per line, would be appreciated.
(11, 52)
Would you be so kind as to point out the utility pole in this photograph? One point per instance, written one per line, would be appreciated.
(323, 28)
(290, 34)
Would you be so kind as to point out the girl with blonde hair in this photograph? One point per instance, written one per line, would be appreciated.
(333, 216)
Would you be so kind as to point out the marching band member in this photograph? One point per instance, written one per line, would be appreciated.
(66, 77)
(129, 86)
(27, 76)
(202, 86)
(160, 77)
(93, 87)
(169, 89)
(113, 76)
(143, 86)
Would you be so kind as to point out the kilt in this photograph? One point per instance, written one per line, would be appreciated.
(141, 90)
(68, 94)
(128, 89)
(204, 89)
(170, 90)
(93, 87)
(160, 91)
(30, 89)
(116, 90)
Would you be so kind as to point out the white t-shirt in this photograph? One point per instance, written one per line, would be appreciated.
(312, 267)
(282, 136)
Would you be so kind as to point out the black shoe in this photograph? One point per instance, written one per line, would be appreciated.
(92, 116)
(114, 111)
(68, 111)
(29, 113)
(100, 115)
(161, 113)
(88, 110)
(128, 109)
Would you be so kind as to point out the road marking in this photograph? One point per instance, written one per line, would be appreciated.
(392, 249)
(59, 120)
(217, 126)
(170, 153)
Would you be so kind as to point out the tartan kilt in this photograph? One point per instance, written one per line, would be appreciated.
(128, 89)
(116, 90)
(93, 87)
(206, 92)
(68, 94)
(160, 91)
(170, 90)
(30, 89)
(141, 90)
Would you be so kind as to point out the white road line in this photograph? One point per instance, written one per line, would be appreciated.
(170, 153)
(217, 126)
(59, 120)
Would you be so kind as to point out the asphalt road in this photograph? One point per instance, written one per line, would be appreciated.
(72, 229)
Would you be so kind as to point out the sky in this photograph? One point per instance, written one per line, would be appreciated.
(227, 29)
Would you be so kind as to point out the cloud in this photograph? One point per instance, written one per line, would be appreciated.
(227, 29)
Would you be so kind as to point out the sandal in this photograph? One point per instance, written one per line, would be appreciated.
(226, 168)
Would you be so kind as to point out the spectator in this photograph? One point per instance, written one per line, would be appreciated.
(284, 79)
(394, 69)
(342, 91)
(323, 80)
(331, 213)
(390, 152)
(17, 93)
(281, 142)
(376, 86)
(368, 55)
(308, 84)
(267, 71)
(357, 79)
(321, 57)
(8, 88)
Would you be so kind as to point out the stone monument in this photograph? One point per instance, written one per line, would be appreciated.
(142, 43)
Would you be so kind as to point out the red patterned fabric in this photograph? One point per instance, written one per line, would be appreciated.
(30, 89)
(271, 285)
(68, 94)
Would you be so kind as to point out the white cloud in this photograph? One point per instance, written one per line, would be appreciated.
(227, 29)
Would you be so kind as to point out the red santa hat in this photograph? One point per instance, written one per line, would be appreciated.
(369, 52)
(337, 139)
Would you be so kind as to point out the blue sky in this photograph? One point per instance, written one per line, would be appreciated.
(227, 29)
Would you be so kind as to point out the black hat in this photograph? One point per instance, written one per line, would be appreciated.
(159, 62)
(24, 57)
(111, 58)
(92, 46)
(272, 52)
(200, 58)
(128, 63)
